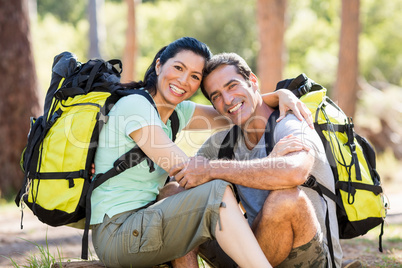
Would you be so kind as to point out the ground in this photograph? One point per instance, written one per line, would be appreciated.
(65, 242)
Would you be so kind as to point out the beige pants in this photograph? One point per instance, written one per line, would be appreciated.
(164, 231)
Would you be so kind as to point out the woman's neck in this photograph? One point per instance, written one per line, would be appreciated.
(165, 109)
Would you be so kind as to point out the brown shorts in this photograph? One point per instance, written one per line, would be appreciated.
(312, 254)
(164, 231)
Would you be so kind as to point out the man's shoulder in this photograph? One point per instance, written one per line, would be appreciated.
(290, 119)
(218, 136)
(211, 146)
(290, 124)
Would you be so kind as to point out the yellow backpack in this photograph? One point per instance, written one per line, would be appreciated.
(358, 192)
(62, 142)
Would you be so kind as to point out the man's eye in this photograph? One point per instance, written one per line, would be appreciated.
(232, 86)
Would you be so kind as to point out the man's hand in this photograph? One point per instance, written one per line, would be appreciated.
(194, 172)
(288, 144)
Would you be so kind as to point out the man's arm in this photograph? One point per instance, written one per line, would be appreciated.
(287, 166)
(270, 173)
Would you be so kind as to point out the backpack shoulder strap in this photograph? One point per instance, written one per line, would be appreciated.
(312, 183)
(269, 132)
(135, 156)
(174, 118)
(226, 150)
(175, 123)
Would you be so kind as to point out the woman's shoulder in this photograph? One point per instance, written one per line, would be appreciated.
(133, 101)
(185, 111)
(185, 105)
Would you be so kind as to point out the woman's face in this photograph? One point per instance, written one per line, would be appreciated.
(179, 78)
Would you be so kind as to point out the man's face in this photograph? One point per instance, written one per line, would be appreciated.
(230, 94)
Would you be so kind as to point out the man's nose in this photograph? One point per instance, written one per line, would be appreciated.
(227, 98)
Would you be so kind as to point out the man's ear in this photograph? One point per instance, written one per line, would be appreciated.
(158, 66)
(254, 81)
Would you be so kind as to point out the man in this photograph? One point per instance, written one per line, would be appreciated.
(289, 228)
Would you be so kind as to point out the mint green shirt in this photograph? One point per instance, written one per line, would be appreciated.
(135, 187)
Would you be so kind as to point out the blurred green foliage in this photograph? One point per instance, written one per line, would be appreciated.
(312, 35)
(65, 11)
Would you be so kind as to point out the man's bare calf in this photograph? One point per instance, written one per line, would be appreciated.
(286, 221)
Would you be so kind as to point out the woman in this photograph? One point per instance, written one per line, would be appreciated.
(129, 227)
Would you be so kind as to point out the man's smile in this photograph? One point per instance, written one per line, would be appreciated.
(235, 108)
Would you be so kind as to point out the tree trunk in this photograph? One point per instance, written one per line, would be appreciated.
(96, 28)
(130, 50)
(18, 90)
(346, 86)
(271, 26)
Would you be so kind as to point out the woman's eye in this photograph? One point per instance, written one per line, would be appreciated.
(196, 77)
(178, 67)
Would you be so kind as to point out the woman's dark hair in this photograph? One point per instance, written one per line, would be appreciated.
(167, 52)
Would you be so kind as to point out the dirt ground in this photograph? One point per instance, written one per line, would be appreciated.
(66, 241)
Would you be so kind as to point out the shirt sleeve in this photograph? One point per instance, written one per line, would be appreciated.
(185, 111)
(210, 148)
(134, 112)
(291, 125)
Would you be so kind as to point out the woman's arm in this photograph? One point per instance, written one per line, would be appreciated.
(154, 142)
(286, 100)
(206, 117)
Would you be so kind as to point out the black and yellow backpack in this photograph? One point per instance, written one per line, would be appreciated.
(358, 193)
(62, 142)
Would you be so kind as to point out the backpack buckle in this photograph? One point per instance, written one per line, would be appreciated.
(302, 90)
(121, 166)
(311, 182)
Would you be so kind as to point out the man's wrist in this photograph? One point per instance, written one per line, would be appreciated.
(213, 168)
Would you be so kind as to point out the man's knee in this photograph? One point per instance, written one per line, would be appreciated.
(286, 203)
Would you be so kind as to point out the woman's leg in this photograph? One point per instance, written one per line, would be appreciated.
(190, 259)
(235, 236)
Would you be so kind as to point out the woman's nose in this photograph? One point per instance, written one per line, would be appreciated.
(183, 79)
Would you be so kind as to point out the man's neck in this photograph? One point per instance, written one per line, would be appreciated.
(254, 128)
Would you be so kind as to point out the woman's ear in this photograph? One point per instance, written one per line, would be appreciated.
(158, 66)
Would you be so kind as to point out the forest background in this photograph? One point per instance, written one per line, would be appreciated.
(351, 47)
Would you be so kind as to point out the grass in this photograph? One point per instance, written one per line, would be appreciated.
(43, 259)
(365, 248)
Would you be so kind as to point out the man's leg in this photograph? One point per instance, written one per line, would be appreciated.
(286, 221)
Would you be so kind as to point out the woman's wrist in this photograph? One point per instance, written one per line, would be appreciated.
(271, 99)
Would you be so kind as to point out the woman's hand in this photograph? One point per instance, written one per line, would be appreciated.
(288, 101)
